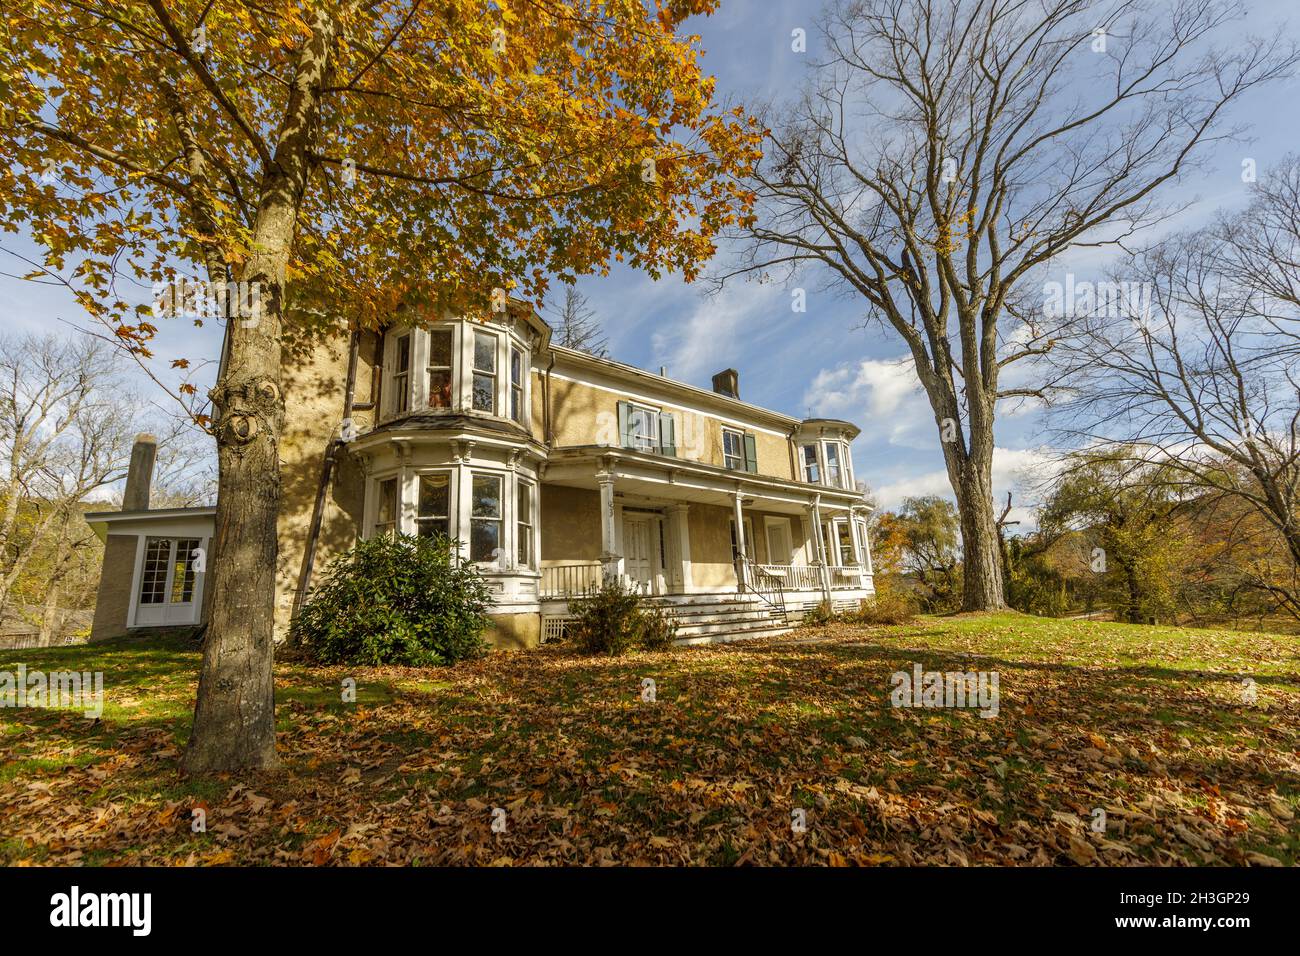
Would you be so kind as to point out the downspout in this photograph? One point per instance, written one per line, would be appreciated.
(546, 403)
(327, 471)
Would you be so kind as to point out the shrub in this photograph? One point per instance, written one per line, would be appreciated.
(396, 600)
(658, 628)
(891, 605)
(818, 616)
(613, 619)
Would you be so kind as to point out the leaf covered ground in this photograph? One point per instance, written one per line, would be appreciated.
(546, 757)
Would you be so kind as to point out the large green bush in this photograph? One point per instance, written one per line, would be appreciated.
(396, 600)
(614, 619)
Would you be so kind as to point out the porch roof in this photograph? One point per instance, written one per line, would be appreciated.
(676, 479)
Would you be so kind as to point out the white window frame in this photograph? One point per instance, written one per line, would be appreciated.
(501, 519)
(652, 415)
(426, 356)
(495, 375)
(525, 530)
(805, 465)
(450, 475)
(377, 486)
(836, 480)
(739, 457)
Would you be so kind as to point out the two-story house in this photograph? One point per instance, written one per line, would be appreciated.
(551, 468)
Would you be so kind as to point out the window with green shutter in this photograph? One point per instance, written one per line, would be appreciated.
(751, 454)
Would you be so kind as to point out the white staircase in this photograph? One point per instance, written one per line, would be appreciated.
(719, 618)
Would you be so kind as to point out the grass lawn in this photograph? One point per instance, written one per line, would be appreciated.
(1149, 724)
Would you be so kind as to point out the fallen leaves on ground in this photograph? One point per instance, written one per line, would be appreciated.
(784, 751)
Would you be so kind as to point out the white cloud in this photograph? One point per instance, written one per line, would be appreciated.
(690, 346)
(881, 396)
(1018, 470)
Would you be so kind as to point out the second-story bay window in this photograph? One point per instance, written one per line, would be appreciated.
(402, 375)
(440, 368)
(517, 384)
(834, 467)
(485, 373)
(811, 469)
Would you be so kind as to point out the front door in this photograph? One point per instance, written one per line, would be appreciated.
(778, 541)
(641, 550)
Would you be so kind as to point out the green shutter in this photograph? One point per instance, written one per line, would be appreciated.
(667, 435)
(751, 454)
(625, 439)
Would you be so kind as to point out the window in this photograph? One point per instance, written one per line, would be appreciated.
(811, 472)
(524, 525)
(844, 542)
(834, 471)
(485, 518)
(749, 538)
(733, 449)
(517, 384)
(485, 372)
(433, 514)
(439, 368)
(402, 374)
(643, 426)
(864, 548)
(168, 575)
(153, 580)
(183, 571)
(386, 512)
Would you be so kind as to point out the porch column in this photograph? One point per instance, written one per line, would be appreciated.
(609, 556)
(741, 546)
(815, 515)
(680, 535)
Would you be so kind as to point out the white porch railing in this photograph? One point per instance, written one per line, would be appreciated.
(797, 577)
(846, 576)
(571, 580)
(794, 577)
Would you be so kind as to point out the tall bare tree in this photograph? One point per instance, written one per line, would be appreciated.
(576, 324)
(1207, 380)
(949, 150)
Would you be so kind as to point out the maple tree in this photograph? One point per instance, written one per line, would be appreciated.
(345, 160)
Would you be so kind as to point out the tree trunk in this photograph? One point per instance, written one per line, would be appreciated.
(982, 588)
(234, 715)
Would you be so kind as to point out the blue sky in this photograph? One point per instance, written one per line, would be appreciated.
(816, 363)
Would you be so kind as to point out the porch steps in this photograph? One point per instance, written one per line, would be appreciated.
(715, 619)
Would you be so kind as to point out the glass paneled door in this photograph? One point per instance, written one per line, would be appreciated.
(170, 582)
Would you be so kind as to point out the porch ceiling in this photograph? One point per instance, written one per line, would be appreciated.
(638, 475)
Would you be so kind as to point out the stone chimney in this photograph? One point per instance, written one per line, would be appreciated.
(140, 474)
(727, 382)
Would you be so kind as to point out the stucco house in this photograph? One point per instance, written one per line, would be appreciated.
(551, 467)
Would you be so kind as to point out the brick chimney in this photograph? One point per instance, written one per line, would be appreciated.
(727, 382)
(139, 475)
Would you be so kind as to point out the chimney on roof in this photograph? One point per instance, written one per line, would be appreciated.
(139, 475)
(727, 382)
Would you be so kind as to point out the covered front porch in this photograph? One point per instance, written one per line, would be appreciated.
(672, 528)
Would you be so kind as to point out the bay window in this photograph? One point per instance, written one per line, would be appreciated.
(834, 470)
(811, 470)
(386, 511)
(433, 514)
(484, 387)
(402, 375)
(440, 368)
(485, 517)
(517, 384)
(524, 524)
